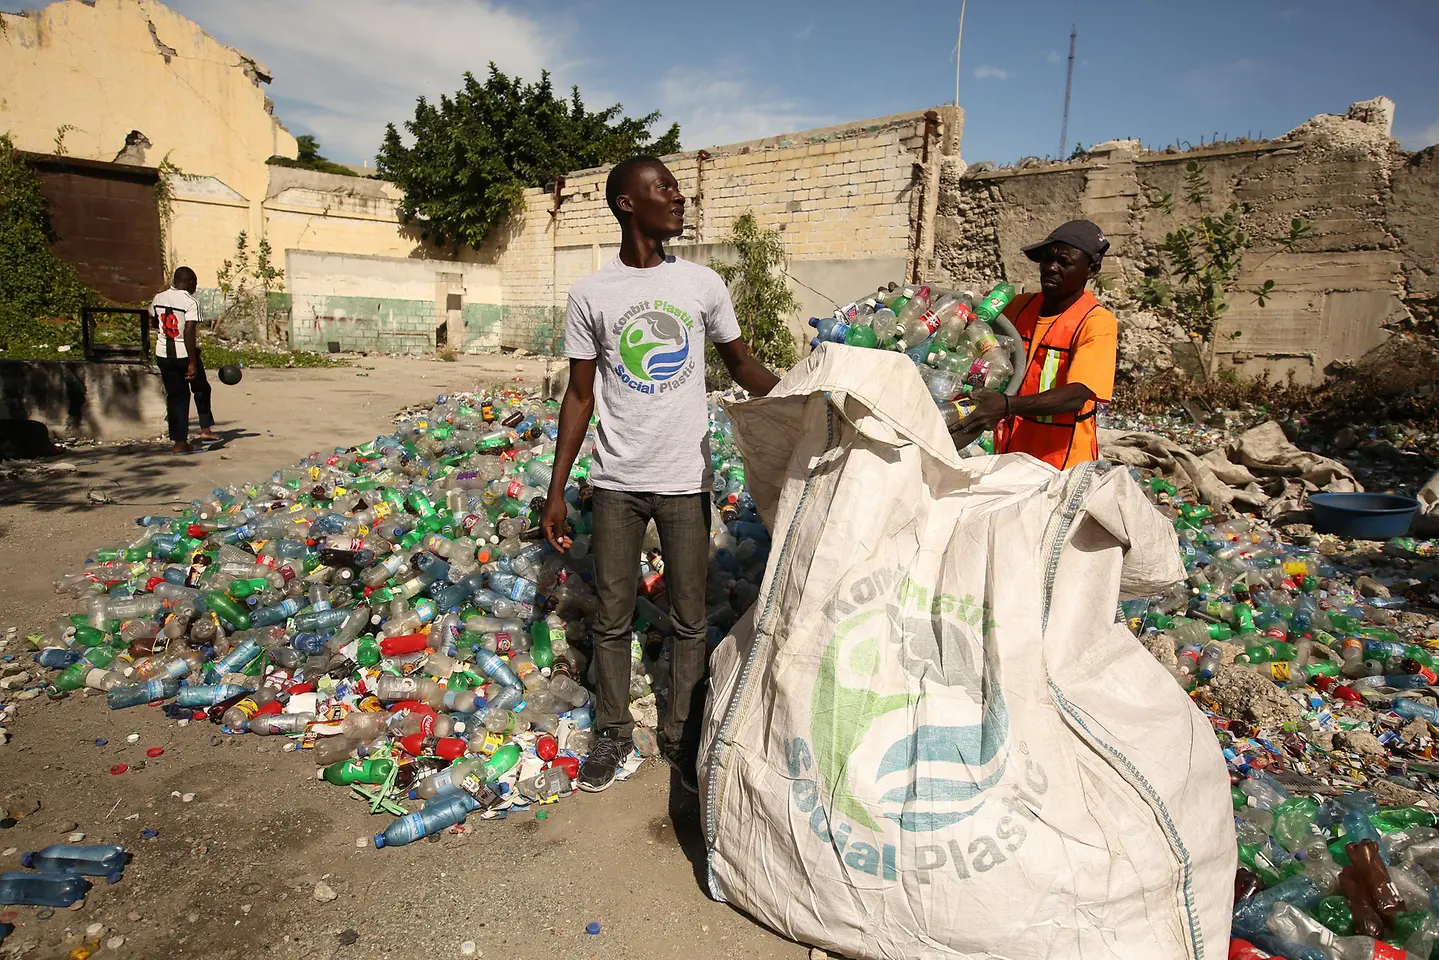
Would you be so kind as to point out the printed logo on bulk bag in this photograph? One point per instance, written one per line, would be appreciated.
(909, 734)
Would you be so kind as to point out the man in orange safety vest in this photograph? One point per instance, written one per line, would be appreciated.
(1070, 345)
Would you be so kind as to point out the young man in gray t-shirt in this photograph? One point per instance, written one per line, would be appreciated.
(642, 321)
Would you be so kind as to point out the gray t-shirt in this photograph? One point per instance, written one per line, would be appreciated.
(647, 328)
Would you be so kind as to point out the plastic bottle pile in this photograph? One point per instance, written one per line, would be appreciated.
(392, 609)
(947, 335)
(1323, 698)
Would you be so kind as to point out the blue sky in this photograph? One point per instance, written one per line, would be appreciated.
(1158, 70)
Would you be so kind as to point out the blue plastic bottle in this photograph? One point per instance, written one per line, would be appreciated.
(139, 694)
(206, 694)
(91, 860)
(439, 813)
(42, 889)
(514, 587)
(237, 658)
(494, 666)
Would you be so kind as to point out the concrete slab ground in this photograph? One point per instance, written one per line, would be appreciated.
(232, 873)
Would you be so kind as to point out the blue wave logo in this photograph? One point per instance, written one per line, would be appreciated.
(883, 681)
(654, 346)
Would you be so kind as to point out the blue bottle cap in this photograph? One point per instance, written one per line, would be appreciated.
(592, 928)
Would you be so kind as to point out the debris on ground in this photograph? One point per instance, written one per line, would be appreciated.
(391, 610)
(1314, 658)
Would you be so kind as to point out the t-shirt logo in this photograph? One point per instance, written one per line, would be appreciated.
(654, 346)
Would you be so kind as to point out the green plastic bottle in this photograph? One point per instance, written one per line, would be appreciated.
(1335, 914)
(227, 610)
(88, 636)
(1294, 822)
(994, 302)
(373, 770)
(541, 651)
(501, 762)
(367, 651)
(1397, 818)
(240, 589)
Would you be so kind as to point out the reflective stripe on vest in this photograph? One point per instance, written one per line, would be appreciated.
(1048, 366)
(1048, 374)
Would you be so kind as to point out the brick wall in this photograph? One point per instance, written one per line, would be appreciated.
(845, 193)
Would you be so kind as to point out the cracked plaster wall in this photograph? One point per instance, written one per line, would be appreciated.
(1367, 267)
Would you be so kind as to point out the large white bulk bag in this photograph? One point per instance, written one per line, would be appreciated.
(929, 737)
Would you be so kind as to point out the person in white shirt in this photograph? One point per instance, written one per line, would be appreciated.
(175, 315)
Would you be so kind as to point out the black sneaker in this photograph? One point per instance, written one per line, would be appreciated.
(683, 757)
(599, 769)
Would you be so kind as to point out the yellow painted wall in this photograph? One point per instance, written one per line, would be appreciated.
(100, 69)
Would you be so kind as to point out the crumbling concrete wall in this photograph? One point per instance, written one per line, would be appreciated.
(855, 194)
(1367, 265)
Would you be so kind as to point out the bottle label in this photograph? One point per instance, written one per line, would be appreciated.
(504, 643)
(978, 373)
(930, 321)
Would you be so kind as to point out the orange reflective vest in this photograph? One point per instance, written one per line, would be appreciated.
(1063, 439)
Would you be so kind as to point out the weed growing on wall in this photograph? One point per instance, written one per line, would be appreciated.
(1203, 262)
(34, 283)
(245, 288)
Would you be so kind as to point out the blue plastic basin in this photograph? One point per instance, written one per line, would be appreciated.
(1364, 516)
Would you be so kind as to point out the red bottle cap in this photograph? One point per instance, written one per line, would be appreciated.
(154, 751)
(118, 769)
(546, 747)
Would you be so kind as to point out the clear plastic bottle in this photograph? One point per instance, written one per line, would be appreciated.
(90, 860)
(42, 889)
(442, 812)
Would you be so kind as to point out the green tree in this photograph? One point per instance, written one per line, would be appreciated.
(475, 153)
(309, 159)
(762, 297)
(33, 281)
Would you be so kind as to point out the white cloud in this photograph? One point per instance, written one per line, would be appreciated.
(344, 74)
(1419, 139)
(988, 72)
(723, 104)
(1054, 56)
(806, 32)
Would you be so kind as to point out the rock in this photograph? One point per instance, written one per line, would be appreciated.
(1346, 438)
(67, 826)
(324, 893)
(1161, 647)
(815, 953)
(348, 937)
(1370, 587)
(22, 807)
(30, 694)
(134, 917)
(1248, 696)
(1431, 632)
(1360, 742)
(1392, 794)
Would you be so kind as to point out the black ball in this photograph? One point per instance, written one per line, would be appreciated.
(230, 374)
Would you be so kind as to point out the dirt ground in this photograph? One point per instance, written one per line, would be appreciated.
(233, 872)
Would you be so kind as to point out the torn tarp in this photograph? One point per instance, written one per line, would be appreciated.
(1258, 471)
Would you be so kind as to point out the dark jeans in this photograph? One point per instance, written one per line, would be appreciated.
(177, 396)
(620, 519)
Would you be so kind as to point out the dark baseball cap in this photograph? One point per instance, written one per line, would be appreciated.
(1083, 235)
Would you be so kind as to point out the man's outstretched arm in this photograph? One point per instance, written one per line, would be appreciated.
(746, 370)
